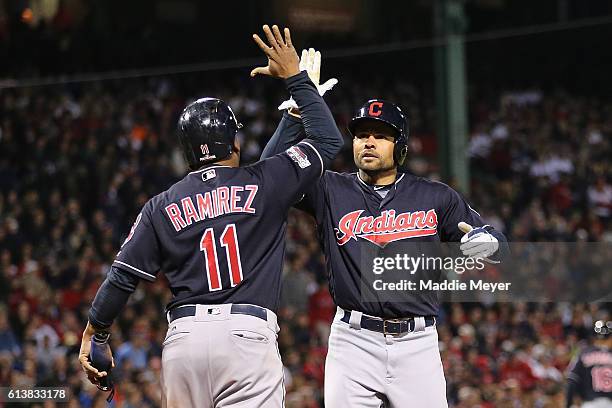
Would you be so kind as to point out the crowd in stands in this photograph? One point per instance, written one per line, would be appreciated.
(78, 162)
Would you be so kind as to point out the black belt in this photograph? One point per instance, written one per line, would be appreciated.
(389, 326)
(251, 310)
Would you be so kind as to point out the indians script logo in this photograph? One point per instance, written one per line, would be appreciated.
(387, 227)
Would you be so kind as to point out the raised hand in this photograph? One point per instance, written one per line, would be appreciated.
(283, 61)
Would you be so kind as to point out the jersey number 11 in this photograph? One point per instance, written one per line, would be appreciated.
(229, 241)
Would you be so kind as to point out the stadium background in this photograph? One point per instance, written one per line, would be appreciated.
(89, 97)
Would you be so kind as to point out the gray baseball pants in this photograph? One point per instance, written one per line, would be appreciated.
(367, 369)
(216, 359)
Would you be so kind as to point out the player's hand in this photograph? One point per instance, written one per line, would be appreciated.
(283, 61)
(94, 375)
(310, 61)
(477, 242)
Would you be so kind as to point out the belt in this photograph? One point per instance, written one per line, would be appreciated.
(251, 310)
(388, 326)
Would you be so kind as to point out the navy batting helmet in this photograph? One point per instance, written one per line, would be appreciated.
(392, 115)
(206, 129)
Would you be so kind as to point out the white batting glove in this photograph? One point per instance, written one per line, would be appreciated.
(310, 61)
(477, 242)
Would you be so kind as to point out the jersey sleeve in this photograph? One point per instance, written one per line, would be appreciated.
(140, 252)
(455, 209)
(313, 200)
(287, 175)
(289, 132)
(576, 370)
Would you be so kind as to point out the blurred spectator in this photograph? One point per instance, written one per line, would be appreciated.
(600, 198)
(134, 352)
(8, 341)
(321, 311)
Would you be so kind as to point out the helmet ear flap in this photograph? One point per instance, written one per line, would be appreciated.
(400, 153)
(187, 150)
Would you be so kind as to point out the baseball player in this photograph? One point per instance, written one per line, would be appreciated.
(590, 373)
(218, 236)
(382, 352)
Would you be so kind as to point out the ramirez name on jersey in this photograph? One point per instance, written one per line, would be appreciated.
(220, 201)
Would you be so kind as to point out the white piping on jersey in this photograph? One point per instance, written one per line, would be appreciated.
(208, 168)
(317, 152)
(366, 184)
(473, 210)
(134, 268)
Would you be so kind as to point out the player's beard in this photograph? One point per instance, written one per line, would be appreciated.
(377, 165)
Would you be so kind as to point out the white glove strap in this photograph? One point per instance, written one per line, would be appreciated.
(289, 103)
(328, 85)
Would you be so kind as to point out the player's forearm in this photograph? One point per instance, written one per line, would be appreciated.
(318, 121)
(288, 133)
(111, 298)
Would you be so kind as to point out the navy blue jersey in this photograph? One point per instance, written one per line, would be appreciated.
(352, 217)
(591, 372)
(218, 234)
